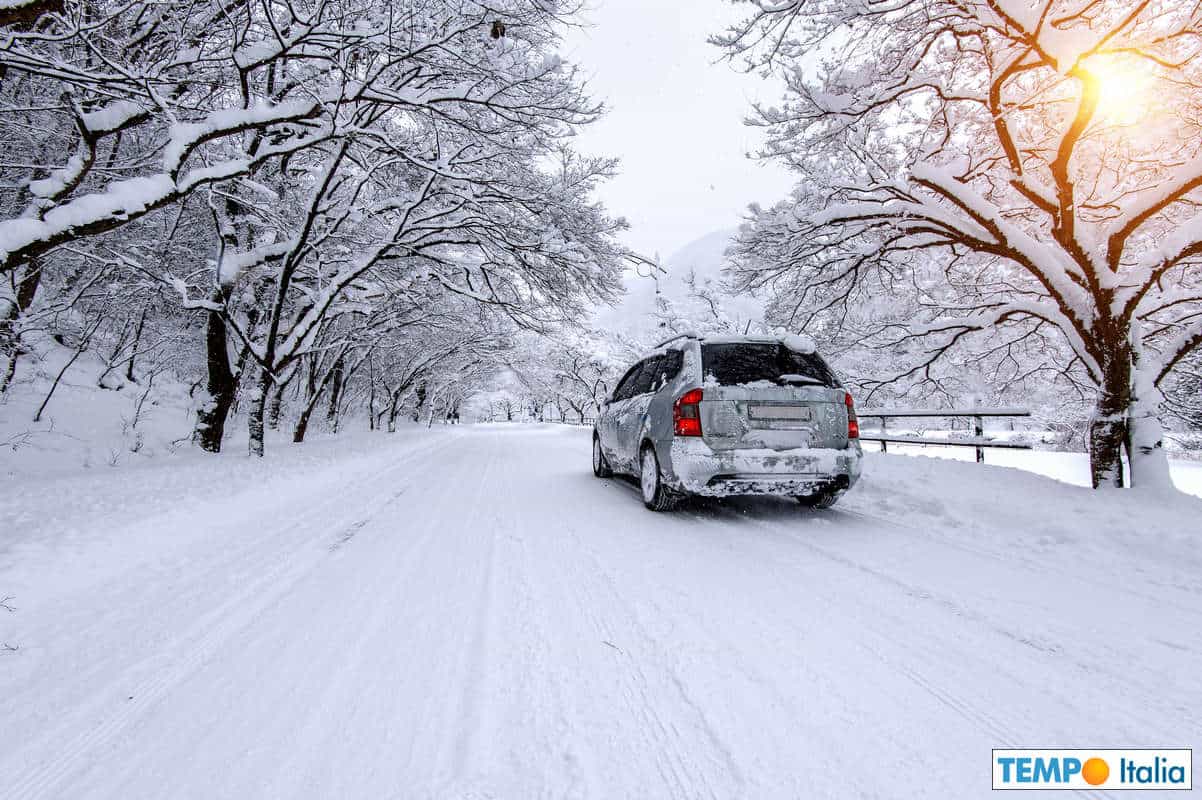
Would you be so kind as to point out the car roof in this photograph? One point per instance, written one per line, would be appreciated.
(723, 338)
(737, 339)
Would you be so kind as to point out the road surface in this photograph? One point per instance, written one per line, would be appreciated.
(469, 613)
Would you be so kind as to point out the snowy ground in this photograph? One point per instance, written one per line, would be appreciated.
(468, 613)
(1070, 467)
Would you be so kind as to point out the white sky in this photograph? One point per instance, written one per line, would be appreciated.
(675, 120)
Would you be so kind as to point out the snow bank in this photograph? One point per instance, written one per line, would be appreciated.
(1071, 467)
(88, 429)
(85, 426)
(1002, 508)
(70, 519)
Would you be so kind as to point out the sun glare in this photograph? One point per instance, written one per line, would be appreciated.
(1126, 88)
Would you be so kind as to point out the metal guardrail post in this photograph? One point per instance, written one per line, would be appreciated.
(978, 430)
(884, 444)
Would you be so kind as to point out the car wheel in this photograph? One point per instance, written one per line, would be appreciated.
(600, 466)
(656, 496)
(823, 499)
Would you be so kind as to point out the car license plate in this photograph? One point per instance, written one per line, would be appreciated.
(778, 412)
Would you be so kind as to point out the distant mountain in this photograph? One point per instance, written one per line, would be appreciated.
(704, 258)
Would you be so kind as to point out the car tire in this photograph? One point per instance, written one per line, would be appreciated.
(601, 468)
(656, 496)
(822, 499)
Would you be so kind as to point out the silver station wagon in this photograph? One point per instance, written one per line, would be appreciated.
(719, 416)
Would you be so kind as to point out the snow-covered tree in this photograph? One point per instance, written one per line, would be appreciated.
(300, 176)
(572, 369)
(1026, 172)
(701, 306)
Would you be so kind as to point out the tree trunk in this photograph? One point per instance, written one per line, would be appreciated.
(275, 407)
(258, 407)
(335, 392)
(302, 424)
(1145, 436)
(394, 409)
(133, 355)
(10, 369)
(10, 338)
(371, 393)
(313, 389)
(421, 401)
(315, 393)
(1145, 449)
(392, 415)
(433, 405)
(222, 385)
(1108, 426)
(1126, 419)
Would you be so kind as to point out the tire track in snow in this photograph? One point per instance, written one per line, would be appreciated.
(921, 647)
(645, 696)
(575, 608)
(385, 560)
(472, 672)
(671, 722)
(506, 728)
(691, 527)
(544, 705)
(838, 603)
(451, 715)
(685, 621)
(147, 680)
(1063, 650)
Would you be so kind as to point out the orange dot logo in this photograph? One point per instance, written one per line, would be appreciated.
(1095, 771)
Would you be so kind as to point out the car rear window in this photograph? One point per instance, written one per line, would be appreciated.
(747, 362)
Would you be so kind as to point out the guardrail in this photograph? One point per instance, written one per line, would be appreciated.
(977, 440)
(577, 421)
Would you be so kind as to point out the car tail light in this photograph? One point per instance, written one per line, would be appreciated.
(686, 414)
(853, 423)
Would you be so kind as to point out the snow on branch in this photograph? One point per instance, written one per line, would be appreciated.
(970, 168)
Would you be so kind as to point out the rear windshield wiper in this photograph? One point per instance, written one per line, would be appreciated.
(803, 379)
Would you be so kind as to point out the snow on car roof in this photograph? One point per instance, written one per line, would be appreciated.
(737, 339)
(794, 341)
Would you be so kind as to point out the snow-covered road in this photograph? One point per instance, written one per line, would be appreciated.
(468, 613)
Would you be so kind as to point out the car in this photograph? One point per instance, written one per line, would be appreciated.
(718, 416)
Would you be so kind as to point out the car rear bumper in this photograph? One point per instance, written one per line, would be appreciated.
(697, 469)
